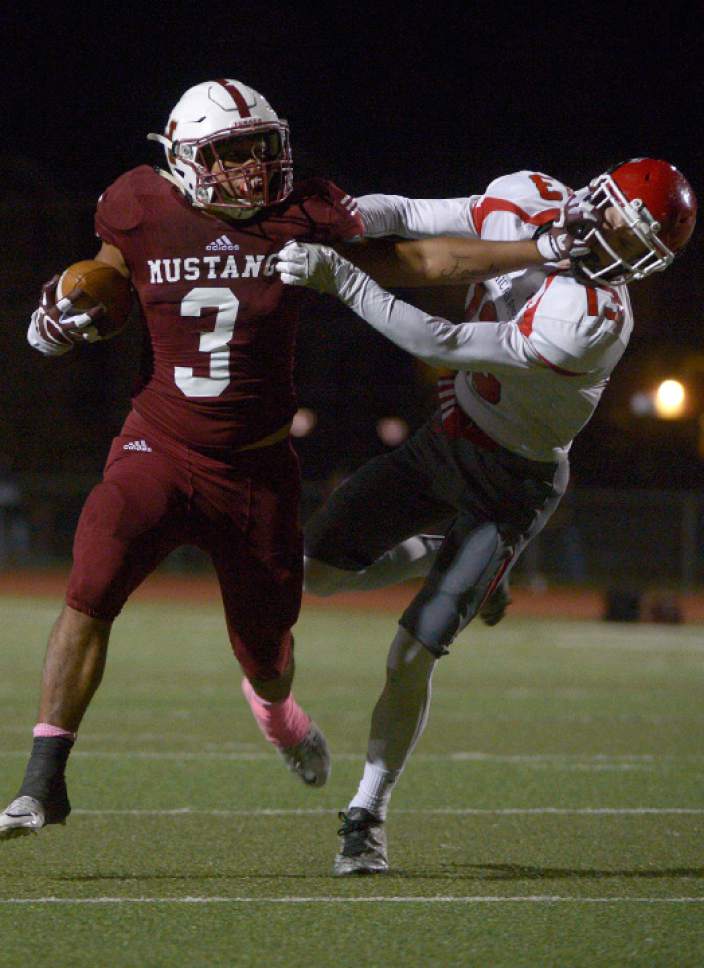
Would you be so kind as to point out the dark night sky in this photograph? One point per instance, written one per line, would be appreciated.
(421, 99)
(432, 98)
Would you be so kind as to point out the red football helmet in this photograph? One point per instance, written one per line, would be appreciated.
(657, 204)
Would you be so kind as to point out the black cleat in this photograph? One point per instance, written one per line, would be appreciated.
(363, 849)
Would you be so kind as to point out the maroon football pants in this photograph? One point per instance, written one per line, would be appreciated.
(157, 495)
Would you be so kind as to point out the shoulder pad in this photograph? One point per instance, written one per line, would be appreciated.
(329, 213)
(120, 206)
(311, 189)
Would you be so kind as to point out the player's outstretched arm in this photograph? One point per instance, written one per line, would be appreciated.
(441, 261)
(430, 338)
(454, 259)
(413, 218)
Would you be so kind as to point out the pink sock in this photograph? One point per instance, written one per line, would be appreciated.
(283, 723)
(46, 729)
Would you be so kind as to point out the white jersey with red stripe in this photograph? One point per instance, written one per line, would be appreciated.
(512, 209)
(550, 365)
(537, 348)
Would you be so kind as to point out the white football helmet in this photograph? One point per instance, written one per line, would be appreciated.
(228, 149)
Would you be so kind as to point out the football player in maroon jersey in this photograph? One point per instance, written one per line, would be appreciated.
(204, 456)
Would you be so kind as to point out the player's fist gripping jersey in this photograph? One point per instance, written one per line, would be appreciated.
(221, 323)
(555, 335)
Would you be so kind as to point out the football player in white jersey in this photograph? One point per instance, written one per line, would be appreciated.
(532, 360)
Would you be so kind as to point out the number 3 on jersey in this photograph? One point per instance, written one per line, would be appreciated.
(215, 344)
(547, 188)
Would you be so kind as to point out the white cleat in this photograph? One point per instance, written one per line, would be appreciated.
(309, 759)
(25, 815)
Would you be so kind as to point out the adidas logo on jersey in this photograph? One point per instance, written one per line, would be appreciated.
(223, 244)
(138, 445)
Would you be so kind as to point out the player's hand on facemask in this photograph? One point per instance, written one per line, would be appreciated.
(56, 325)
(564, 238)
(315, 266)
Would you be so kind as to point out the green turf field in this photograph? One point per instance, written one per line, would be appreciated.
(553, 814)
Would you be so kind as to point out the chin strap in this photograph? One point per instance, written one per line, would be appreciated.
(171, 178)
(161, 139)
(168, 147)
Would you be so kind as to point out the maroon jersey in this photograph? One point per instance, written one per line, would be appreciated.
(222, 324)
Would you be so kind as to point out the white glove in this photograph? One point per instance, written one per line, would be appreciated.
(55, 327)
(564, 238)
(315, 266)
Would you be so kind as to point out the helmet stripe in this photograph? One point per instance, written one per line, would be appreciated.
(237, 97)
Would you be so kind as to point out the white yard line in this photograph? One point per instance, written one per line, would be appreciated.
(380, 899)
(615, 643)
(430, 811)
(458, 756)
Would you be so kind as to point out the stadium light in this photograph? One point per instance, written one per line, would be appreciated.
(670, 400)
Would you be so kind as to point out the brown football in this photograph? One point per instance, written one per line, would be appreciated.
(100, 284)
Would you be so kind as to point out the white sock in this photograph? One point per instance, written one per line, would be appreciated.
(375, 789)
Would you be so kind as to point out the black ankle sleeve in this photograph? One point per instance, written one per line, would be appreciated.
(45, 770)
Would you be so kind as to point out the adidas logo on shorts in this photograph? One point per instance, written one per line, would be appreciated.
(138, 445)
(223, 244)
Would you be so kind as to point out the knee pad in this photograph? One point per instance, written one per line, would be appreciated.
(469, 565)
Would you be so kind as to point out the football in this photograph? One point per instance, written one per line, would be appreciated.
(100, 284)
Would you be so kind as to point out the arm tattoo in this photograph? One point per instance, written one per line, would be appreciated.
(458, 274)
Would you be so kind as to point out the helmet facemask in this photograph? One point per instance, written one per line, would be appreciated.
(227, 149)
(246, 167)
(652, 254)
